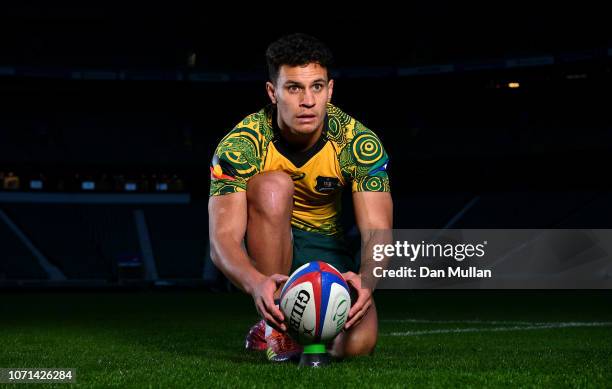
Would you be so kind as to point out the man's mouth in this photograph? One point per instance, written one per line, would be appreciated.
(306, 118)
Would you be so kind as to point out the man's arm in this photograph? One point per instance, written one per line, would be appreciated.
(374, 217)
(227, 221)
(373, 212)
(227, 218)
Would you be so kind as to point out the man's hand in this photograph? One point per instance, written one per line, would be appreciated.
(363, 303)
(263, 295)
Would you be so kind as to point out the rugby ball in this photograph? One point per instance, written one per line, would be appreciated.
(315, 301)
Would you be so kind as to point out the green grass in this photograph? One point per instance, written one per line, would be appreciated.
(195, 339)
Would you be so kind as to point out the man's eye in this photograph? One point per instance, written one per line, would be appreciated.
(317, 87)
(294, 89)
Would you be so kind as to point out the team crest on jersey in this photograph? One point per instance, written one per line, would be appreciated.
(327, 184)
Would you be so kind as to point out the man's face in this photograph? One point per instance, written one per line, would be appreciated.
(301, 94)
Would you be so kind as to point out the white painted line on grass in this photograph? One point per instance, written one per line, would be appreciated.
(492, 322)
(536, 326)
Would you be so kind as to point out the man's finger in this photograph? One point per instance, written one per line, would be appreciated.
(271, 320)
(265, 314)
(354, 281)
(356, 307)
(273, 324)
(261, 306)
(354, 320)
(362, 298)
(279, 278)
(273, 309)
(359, 316)
(353, 324)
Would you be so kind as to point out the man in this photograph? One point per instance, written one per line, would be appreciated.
(276, 181)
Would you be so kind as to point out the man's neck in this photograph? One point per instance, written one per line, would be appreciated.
(299, 142)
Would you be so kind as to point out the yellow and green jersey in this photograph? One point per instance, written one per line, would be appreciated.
(347, 153)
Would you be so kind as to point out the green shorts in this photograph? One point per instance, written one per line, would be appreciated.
(312, 246)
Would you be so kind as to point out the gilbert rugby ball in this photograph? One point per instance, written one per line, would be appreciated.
(315, 301)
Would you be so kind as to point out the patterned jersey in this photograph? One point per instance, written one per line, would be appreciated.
(347, 153)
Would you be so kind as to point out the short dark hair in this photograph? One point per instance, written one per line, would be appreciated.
(295, 50)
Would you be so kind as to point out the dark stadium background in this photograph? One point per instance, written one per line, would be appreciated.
(110, 112)
(114, 94)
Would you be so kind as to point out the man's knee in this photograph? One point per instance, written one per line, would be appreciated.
(360, 344)
(270, 193)
(359, 340)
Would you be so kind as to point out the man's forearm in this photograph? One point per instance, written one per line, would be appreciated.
(231, 258)
(368, 263)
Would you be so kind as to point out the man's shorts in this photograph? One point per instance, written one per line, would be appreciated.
(312, 246)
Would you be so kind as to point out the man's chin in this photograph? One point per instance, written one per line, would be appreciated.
(305, 129)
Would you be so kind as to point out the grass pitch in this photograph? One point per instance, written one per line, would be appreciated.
(427, 339)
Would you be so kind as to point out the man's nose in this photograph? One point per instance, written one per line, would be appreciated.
(308, 99)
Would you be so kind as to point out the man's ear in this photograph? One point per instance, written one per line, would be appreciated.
(330, 87)
(271, 92)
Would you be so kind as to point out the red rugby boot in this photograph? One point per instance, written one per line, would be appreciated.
(281, 347)
(256, 337)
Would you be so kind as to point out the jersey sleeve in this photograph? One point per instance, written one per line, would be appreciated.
(369, 160)
(236, 159)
